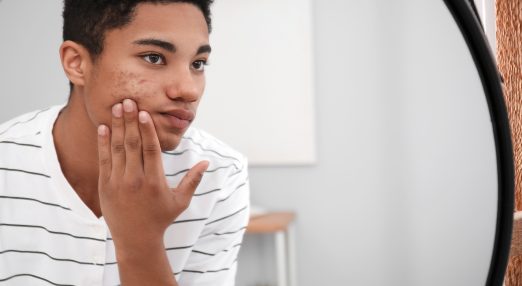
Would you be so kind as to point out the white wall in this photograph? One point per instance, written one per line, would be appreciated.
(31, 76)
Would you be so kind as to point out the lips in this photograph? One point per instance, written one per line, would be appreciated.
(179, 118)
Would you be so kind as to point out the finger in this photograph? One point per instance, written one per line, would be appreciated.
(152, 164)
(104, 153)
(191, 180)
(117, 146)
(133, 154)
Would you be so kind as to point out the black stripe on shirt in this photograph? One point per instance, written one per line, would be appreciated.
(204, 253)
(230, 232)
(20, 122)
(224, 233)
(208, 271)
(179, 153)
(219, 168)
(172, 153)
(53, 258)
(178, 247)
(177, 173)
(205, 193)
(203, 272)
(214, 254)
(207, 171)
(227, 197)
(228, 216)
(33, 276)
(51, 231)
(35, 200)
(20, 144)
(210, 150)
(189, 220)
(24, 171)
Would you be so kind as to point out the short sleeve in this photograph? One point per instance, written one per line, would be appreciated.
(213, 260)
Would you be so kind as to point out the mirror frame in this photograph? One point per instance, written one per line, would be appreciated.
(464, 13)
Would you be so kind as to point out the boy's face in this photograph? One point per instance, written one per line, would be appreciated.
(157, 60)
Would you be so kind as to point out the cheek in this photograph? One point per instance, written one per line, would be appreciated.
(114, 87)
(133, 86)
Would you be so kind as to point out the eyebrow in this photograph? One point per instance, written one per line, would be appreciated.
(169, 46)
(158, 43)
(204, 49)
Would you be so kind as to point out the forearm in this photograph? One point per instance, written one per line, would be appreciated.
(144, 265)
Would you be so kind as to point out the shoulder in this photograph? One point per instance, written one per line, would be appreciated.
(26, 125)
(22, 147)
(200, 145)
(208, 143)
(226, 165)
(227, 173)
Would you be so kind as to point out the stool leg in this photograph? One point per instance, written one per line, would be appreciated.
(280, 240)
(290, 236)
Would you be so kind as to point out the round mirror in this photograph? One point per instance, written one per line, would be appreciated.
(410, 176)
(414, 179)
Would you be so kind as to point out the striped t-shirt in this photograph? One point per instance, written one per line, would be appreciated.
(48, 236)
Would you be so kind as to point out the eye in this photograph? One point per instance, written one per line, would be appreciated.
(154, 59)
(199, 65)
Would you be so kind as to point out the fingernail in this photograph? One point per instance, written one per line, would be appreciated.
(116, 110)
(102, 130)
(143, 117)
(127, 105)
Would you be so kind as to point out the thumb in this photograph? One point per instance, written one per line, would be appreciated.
(191, 180)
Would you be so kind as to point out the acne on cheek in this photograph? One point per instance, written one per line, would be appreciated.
(130, 85)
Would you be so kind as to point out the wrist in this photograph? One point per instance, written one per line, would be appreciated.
(144, 264)
(138, 250)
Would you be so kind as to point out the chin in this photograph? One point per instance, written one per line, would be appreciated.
(169, 143)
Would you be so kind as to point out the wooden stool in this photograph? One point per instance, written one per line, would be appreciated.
(280, 224)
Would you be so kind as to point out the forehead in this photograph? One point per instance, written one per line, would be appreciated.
(176, 22)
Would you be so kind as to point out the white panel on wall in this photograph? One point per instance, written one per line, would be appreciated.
(259, 95)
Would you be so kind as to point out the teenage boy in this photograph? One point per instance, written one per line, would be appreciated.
(116, 187)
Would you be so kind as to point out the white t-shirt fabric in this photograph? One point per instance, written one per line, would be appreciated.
(48, 236)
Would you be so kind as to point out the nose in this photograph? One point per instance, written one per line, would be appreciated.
(185, 86)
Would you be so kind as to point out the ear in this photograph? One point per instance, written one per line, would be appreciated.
(76, 62)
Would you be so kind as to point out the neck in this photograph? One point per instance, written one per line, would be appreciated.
(75, 140)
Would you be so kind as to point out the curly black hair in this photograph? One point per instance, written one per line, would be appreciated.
(86, 21)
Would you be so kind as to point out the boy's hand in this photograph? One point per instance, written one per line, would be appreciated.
(136, 202)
